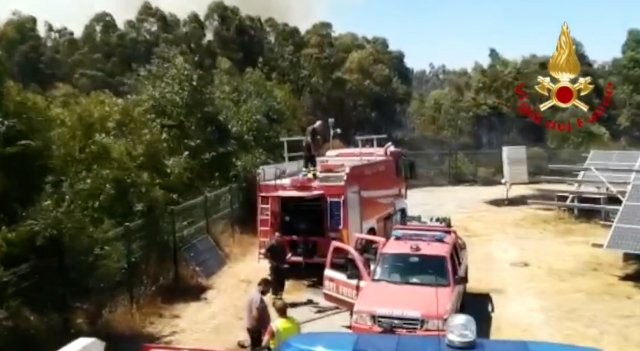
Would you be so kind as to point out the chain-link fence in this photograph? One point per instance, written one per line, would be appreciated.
(123, 264)
(448, 167)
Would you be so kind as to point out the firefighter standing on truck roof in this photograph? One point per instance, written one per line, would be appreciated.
(276, 252)
(312, 144)
(281, 329)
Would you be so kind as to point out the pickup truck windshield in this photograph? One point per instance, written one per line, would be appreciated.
(415, 269)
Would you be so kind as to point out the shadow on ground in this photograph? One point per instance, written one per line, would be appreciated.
(633, 272)
(133, 342)
(444, 183)
(311, 275)
(174, 293)
(517, 201)
(480, 307)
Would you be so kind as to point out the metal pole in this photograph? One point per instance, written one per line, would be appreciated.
(286, 151)
(206, 212)
(331, 139)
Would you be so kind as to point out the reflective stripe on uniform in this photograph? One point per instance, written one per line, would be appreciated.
(283, 328)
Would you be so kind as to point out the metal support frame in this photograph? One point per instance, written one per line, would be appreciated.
(572, 198)
(286, 153)
(589, 168)
(580, 181)
(371, 137)
(606, 183)
(576, 192)
(574, 205)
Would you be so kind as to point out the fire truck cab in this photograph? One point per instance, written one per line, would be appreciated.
(356, 190)
(408, 284)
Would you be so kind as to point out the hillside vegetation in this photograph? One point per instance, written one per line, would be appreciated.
(115, 124)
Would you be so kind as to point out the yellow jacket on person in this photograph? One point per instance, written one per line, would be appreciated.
(283, 328)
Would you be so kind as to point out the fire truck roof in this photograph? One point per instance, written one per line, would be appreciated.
(434, 243)
(357, 152)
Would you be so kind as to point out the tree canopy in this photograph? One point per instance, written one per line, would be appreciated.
(100, 128)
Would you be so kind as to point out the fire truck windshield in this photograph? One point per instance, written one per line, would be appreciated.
(413, 269)
(302, 216)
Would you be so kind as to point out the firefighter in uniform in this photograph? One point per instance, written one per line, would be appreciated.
(276, 252)
(281, 329)
(312, 144)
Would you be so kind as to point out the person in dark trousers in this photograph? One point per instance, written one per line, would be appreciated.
(257, 315)
(312, 144)
(276, 252)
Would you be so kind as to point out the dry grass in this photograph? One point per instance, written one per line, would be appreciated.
(569, 292)
(217, 319)
(156, 307)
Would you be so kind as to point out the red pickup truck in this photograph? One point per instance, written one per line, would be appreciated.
(408, 284)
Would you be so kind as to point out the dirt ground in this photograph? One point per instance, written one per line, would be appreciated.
(535, 268)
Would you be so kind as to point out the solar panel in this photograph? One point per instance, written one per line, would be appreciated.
(624, 238)
(628, 215)
(600, 156)
(626, 157)
(205, 256)
(633, 195)
(611, 159)
(625, 232)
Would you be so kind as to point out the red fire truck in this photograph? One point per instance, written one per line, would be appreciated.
(357, 190)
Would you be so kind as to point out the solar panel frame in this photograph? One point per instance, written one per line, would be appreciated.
(205, 256)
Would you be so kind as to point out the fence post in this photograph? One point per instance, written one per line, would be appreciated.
(231, 191)
(63, 276)
(126, 233)
(206, 213)
(449, 159)
(232, 225)
(176, 268)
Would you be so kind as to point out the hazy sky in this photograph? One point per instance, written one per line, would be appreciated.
(454, 32)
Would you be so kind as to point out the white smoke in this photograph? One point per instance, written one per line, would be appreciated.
(74, 14)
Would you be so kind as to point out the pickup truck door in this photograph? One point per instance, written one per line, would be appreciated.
(344, 275)
(459, 259)
(369, 246)
(463, 256)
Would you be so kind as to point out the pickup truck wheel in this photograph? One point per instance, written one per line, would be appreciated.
(464, 292)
